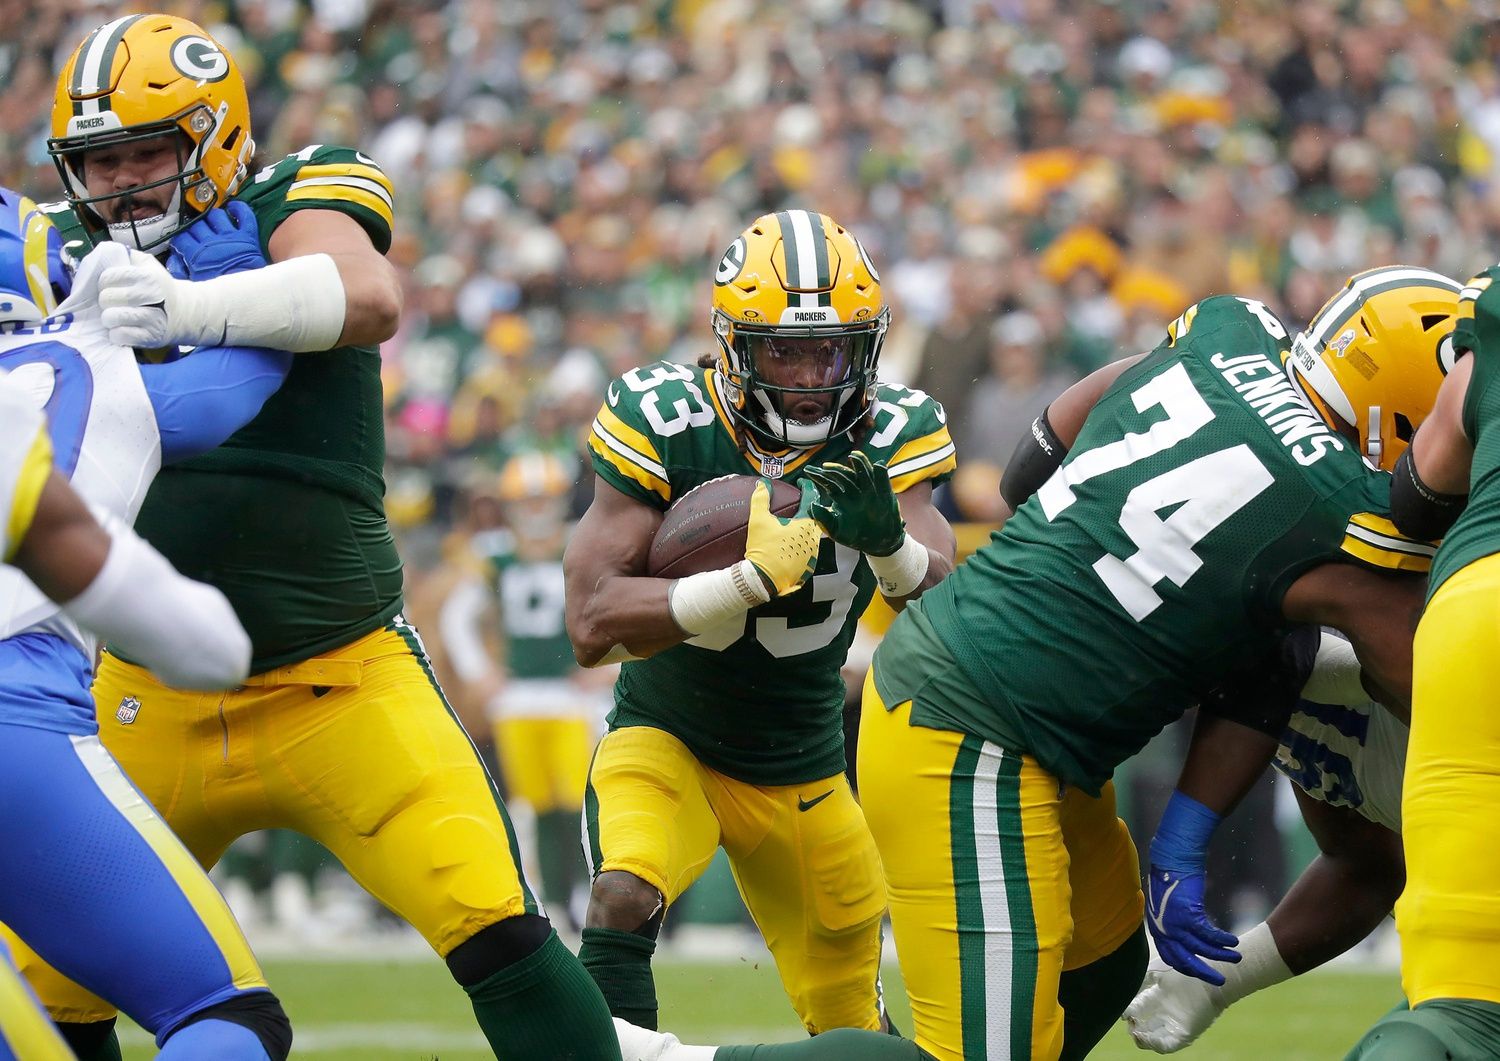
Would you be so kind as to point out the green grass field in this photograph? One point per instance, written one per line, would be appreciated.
(351, 1011)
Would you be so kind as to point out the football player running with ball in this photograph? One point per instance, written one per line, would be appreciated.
(1173, 513)
(341, 732)
(726, 730)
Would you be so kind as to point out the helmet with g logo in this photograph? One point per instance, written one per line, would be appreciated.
(137, 78)
(1372, 359)
(800, 321)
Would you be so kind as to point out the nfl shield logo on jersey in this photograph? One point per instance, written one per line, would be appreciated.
(128, 709)
(772, 467)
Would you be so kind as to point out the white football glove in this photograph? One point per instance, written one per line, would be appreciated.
(1171, 1010)
(144, 306)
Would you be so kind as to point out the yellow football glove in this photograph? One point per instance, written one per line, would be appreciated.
(784, 551)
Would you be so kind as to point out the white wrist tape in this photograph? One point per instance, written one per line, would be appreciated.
(1259, 967)
(297, 305)
(902, 571)
(184, 631)
(700, 603)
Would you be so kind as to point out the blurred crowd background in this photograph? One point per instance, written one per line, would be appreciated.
(1043, 184)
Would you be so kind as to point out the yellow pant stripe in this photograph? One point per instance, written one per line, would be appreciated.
(25, 1029)
(36, 468)
(197, 889)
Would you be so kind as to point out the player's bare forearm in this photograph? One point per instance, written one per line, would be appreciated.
(64, 547)
(1344, 893)
(1378, 613)
(631, 612)
(611, 604)
(372, 289)
(1224, 761)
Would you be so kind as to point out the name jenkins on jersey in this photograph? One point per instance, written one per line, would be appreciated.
(1155, 559)
(759, 700)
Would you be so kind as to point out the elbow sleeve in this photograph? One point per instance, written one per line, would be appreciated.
(1417, 510)
(1036, 457)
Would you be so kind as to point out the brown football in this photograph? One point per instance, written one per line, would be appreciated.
(705, 529)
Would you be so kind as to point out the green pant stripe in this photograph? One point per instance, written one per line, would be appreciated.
(1018, 900)
(591, 820)
(413, 640)
(969, 907)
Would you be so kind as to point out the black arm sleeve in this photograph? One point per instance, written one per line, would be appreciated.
(1036, 457)
(1264, 696)
(1417, 510)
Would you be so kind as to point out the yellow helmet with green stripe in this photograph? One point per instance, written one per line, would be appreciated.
(139, 77)
(800, 320)
(1372, 359)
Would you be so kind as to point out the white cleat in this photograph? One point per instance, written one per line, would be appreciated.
(1171, 1009)
(643, 1044)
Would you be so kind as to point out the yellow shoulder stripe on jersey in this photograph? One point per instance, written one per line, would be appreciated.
(1180, 327)
(922, 458)
(36, 466)
(1375, 540)
(349, 173)
(353, 183)
(629, 452)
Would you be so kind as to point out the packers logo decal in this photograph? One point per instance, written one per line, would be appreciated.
(1445, 354)
(200, 59)
(732, 263)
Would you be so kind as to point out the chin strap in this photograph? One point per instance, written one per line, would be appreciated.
(1373, 445)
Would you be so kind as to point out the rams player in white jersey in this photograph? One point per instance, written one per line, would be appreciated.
(177, 963)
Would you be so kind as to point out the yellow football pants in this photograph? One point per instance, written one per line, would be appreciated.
(356, 748)
(545, 761)
(801, 854)
(999, 878)
(1449, 914)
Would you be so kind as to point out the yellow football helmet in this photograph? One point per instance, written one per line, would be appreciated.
(534, 486)
(1372, 359)
(144, 76)
(800, 321)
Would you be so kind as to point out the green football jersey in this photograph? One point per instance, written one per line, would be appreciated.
(287, 517)
(1155, 558)
(1477, 532)
(761, 699)
(529, 594)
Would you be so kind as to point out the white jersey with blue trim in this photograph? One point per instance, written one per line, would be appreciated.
(1341, 747)
(104, 432)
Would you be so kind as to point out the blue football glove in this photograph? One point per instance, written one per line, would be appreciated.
(1180, 926)
(222, 241)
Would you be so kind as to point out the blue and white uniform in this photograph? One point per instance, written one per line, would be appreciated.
(91, 878)
(1340, 746)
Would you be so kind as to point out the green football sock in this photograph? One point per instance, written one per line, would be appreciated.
(846, 1044)
(92, 1042)
(545, 1005)
(620, 963)
(1094, 997)
(560, 855)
